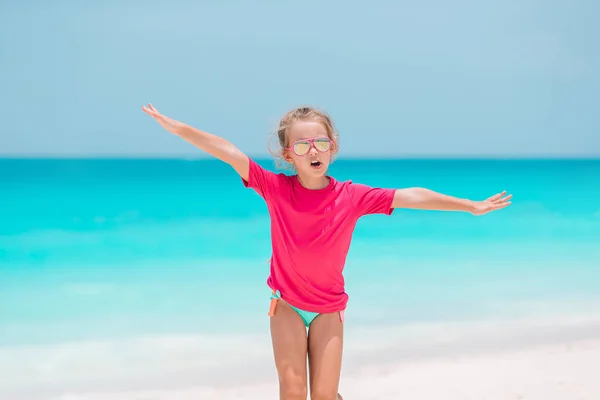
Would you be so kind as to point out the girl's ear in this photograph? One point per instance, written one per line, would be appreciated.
(334, 147)
(287, 156)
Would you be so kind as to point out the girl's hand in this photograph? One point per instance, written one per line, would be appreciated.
(493, 203)
(214, 145)
(169, 124)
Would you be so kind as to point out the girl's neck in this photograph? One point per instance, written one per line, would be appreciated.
(313, 183)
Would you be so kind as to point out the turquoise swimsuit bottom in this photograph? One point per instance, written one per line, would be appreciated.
(307, 316)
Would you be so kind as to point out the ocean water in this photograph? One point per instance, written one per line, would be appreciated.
(136, 273)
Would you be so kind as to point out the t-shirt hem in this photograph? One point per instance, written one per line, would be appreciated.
(251, 165)
(390, 202)
(333, 307)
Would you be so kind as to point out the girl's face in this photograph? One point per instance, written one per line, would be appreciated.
(310, 148)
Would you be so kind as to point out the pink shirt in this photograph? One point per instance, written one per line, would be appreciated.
(311, 231)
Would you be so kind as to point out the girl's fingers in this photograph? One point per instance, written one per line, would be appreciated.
(149, 111)
(497, 196)
(506, 198)
(501, 205)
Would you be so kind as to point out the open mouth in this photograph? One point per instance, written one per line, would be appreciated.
(315, 164)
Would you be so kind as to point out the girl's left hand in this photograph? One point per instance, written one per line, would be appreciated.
(493, 203)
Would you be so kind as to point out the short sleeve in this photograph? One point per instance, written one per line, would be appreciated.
(371, 200)
(263, 181)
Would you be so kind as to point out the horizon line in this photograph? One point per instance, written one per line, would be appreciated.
(432, 157)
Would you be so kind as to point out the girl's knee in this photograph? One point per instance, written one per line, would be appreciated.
(324, 395)
(293, 391)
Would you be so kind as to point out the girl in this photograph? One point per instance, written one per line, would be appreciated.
(312, 220)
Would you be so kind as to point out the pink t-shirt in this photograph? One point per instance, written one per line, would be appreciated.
(311, 231)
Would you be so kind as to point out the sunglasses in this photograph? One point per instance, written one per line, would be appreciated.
(302, 147)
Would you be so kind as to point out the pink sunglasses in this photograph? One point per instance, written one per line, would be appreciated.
(302, 147)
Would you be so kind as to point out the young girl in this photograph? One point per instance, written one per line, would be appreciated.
(312, 220)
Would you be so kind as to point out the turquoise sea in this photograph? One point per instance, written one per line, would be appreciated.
(162, 263)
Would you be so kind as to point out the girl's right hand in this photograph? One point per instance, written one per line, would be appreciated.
(212, 144)
(169, 124)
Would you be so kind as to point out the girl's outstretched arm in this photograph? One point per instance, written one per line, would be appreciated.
(212, 144)
(425, 199)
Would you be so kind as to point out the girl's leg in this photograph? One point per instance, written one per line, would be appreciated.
(325, 342)
(288, 334)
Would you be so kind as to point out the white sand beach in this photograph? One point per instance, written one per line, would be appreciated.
(541, 359)
(565, 371)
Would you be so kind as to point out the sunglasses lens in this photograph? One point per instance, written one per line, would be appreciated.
(301, 148)
(322, 144)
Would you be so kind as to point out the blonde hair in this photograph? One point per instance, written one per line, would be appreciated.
(302, 114)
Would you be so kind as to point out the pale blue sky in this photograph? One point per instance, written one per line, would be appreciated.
(428, 78)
